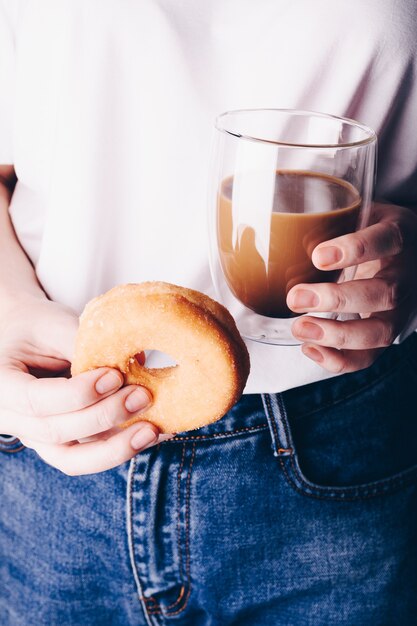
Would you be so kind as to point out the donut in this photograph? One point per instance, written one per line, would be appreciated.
(212, 362)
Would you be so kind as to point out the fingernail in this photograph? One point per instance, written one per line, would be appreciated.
(313, 354)
(143, 437)
(308, 330)
(328, 255)
(110, 381)
(304, 299)
(137, 400)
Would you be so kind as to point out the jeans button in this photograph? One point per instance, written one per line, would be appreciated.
(9, 443)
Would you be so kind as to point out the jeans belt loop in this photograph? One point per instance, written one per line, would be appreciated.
(278, 424)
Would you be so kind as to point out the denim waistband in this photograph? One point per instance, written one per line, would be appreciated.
(253, 411)
(314, 397)
(245, 416)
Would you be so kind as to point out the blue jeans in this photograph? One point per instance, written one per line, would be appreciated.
(294, 509)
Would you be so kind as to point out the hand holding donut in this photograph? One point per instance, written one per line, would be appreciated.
(384, 292)
(50, 414)
(199, 333)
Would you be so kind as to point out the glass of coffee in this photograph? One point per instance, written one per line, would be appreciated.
(283, 181)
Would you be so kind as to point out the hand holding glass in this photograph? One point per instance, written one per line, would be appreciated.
(283, 182)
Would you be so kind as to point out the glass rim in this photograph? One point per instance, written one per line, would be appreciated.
(370, 138)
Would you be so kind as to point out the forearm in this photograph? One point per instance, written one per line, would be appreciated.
(17, 276)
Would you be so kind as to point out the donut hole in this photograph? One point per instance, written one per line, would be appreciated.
(140, 358)
(155, 359)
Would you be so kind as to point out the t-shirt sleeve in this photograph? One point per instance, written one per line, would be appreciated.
(7, 70)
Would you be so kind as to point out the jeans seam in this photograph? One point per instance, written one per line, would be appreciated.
(223, 435)
(129, 521)
(280, 448)
(284, 416)
(187, 536)
(277, 443)
(354, 493)
(157, 609)
(181, 467)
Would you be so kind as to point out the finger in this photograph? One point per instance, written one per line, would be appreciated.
(10, 423)
(62, 428)
(19, 391)
(361, 334)
(52, 368)
(97, 456)
(113, 431)
(374, 242)
(381, 293)
(341, 361)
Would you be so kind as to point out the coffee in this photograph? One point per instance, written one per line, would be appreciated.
(306, 209)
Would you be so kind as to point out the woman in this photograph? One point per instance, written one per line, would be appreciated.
(299, 506)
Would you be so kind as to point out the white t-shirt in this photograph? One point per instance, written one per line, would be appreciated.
(107, 110)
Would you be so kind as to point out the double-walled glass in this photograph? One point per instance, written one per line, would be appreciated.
(282, 182)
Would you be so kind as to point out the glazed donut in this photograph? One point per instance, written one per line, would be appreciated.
(197, 332)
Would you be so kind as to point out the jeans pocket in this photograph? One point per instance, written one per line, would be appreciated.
(362, 446)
